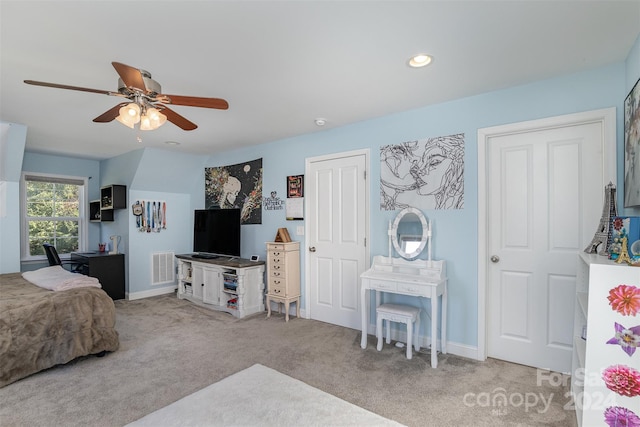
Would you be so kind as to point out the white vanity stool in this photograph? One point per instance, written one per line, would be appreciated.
(401, 314)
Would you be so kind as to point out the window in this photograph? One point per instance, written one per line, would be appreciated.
(52, 212)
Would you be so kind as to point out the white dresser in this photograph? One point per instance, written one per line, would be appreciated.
(233, 285)
(595, 352)
(283, 275)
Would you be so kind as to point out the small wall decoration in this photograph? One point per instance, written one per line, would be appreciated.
(616, 416)
(424, 174)
(295, 186)
(151, 215)
(273, 203)
(236, 186)
(295, 197)
(622, 379)
(625, 299)
(632, 147)
(627, 339)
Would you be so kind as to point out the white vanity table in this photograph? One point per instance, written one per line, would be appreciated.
(408, 276)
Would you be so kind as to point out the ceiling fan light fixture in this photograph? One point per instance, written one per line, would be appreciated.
(129, 114)
(152, 119)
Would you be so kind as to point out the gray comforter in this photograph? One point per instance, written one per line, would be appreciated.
(41, 328)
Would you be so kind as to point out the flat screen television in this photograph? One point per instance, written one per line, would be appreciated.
(216, 232)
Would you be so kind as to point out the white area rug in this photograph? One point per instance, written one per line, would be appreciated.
(260, 396)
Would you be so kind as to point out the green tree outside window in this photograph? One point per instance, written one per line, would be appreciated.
(53, 216)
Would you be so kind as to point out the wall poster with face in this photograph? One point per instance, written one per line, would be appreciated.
(236, 186)
(423, 174)
(632, 147)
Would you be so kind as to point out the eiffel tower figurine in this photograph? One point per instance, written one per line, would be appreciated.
(624, 253)
(603, 234)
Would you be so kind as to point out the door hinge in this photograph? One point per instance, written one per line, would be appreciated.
(365, 174)
(365, 242)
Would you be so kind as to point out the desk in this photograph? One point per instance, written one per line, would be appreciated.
(419, 278)
(107, 268)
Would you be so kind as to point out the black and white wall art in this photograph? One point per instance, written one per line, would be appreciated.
(423, 174)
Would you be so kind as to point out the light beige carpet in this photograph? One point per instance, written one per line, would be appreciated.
(261, 396)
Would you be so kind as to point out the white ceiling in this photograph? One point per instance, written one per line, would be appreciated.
(281, 64)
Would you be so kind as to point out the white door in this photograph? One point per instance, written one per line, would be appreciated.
(544, 200)
(336, 197)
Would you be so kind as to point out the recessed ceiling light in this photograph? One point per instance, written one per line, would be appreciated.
(172, 142)
(420, 60)
(320, 122)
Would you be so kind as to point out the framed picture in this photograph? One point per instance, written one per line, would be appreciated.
(295, 186)
(632, 147)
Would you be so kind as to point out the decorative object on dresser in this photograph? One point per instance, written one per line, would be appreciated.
(625, 227)
(282, 235)
(603, 236)
(283, 275)
(233, 285)
(410, 234)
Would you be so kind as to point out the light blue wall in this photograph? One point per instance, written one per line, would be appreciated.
(149, 174)
(155, 173)
(175, 238)
(12, 152)
(455, 235)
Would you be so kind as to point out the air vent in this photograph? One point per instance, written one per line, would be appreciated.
(162, 266)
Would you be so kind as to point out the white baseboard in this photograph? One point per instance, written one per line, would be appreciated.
(152, 292)
(457, 349)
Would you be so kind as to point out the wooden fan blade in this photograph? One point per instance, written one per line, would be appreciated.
(178, 120)
(194, 101)
(109, 115)
(132, 77)
(58, 86)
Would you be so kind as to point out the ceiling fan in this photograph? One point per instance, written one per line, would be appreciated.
(146, 104)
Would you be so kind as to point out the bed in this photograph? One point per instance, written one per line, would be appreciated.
(40, 328)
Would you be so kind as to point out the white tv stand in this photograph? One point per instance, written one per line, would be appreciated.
(233, 285)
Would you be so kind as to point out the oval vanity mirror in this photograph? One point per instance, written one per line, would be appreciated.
(409, 233)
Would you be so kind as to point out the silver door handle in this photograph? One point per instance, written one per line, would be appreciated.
(312, 248)
(495, 258)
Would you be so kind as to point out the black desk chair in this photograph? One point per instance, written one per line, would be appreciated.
(54, 259)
